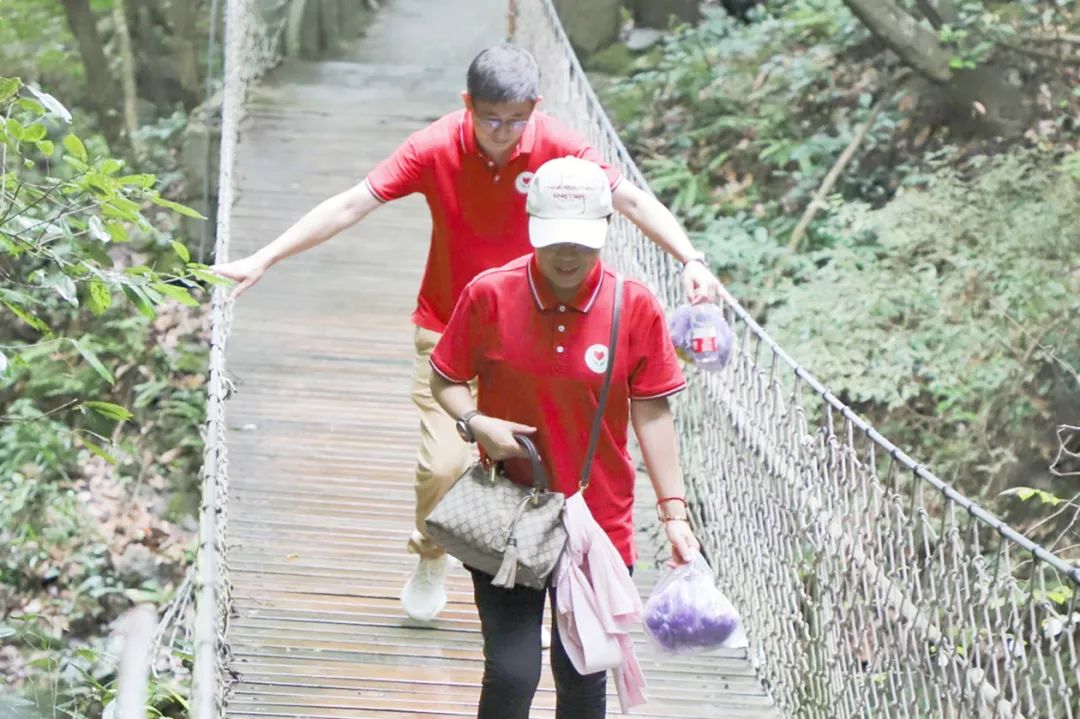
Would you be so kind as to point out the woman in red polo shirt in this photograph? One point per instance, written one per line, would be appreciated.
(534, 334)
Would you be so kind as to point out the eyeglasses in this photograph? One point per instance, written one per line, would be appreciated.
(493, 123)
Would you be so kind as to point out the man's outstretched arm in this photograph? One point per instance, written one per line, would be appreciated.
(660, 226)
(327, 219)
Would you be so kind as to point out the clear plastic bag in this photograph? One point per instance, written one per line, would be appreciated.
(702, 336)
(687, 613)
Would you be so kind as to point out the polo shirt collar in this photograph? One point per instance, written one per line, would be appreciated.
(583, 301)
(467, 136)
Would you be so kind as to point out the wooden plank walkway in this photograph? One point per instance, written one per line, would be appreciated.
(322, 431)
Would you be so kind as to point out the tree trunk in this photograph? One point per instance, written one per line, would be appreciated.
(185, 47)
(127, 62)
(970, 102)
(917, 46)
(102, 89)
(658, 13)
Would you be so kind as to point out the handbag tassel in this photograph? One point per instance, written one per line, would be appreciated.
(507, 574)
(508, 569)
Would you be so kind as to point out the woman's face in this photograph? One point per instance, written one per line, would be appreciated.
(566, 265)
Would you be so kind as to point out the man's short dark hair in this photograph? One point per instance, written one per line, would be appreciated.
(504, 73)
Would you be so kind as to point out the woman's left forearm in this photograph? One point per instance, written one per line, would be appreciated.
(655, 430)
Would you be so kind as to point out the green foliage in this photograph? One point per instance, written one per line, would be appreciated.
(934, 292)
(35, 44)
(60, 221)
(1026, 493)
(945, 316)
(745, 124)
(981, 27)
(101, 386)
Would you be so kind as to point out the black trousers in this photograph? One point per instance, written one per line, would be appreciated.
(510, 621)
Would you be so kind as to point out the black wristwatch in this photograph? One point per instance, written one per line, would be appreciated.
(463, 428)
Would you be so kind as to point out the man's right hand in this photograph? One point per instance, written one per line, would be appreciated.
(244, 272)
(496, 436)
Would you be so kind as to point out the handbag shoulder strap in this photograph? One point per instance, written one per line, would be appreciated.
(598, 418)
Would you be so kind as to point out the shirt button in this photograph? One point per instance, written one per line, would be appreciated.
(562, 328)
(496, 178)
(559, 350)
(562, 308)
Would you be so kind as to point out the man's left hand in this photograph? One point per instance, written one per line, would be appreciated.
(702, 286)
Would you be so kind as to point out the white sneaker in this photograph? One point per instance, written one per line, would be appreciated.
(545, 637)
(424, 595)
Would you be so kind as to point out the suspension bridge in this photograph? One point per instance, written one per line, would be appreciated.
(869, 587)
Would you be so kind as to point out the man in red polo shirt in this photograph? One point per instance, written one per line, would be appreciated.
(474, 167)
(534, 334)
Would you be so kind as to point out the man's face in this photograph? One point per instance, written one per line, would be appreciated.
(566, 265)
(499, 125)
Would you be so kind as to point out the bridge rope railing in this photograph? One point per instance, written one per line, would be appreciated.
(870, 587)
(252, 44)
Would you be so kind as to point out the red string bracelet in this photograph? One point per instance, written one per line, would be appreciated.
(666, 518)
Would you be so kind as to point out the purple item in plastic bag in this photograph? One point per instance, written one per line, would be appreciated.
(687, 613)
(701, 335)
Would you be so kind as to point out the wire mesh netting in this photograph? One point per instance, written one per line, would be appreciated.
(870, 587)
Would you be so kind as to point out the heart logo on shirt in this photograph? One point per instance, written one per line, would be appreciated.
(596, 358)
(522, 182)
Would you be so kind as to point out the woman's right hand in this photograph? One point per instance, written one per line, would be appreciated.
(496, 436)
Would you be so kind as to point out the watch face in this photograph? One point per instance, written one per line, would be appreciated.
(463, 430)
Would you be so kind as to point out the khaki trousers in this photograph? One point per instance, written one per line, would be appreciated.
(442, 456)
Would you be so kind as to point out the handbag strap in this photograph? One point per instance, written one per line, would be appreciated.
(539, 474)
(598, 418)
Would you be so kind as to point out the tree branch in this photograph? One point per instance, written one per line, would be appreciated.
(1040, 37)
(1041, 54)
(1064, 452)
(127, 64)
(102, 89)
(917, 46)
(838, 167)
(3, 157)
(43, 415)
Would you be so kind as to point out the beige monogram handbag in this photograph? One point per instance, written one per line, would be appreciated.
(499, 527)
(512, 532)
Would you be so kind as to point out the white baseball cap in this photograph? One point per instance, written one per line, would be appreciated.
(569, 200)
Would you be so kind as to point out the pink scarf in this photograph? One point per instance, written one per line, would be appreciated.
(598, 605)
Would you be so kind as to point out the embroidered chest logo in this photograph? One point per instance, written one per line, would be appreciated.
(596, 358)
(522, 182)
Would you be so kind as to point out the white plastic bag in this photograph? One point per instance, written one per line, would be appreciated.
(687, 613)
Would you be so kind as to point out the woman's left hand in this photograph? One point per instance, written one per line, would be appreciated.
(684, 545)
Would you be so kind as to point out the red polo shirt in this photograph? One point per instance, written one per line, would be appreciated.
(477, 209)
(539, 362)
